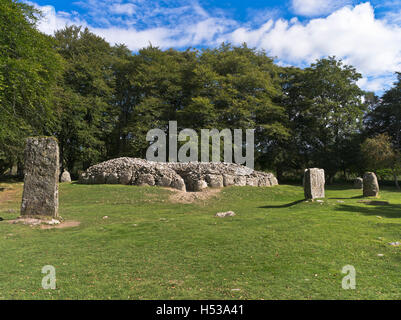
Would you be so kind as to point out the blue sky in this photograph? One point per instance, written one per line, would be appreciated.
(366, 34)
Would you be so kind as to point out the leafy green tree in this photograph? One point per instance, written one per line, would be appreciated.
(386, 114)
(326, 109)
(84, 96)
(380, 154)
(29, 68)
(226, 87)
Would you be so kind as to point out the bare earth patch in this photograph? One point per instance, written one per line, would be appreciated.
(189, 197)
(65, 224)
(45, 224)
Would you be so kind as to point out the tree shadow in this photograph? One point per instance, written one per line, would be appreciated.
(376, 208)
(284, 205)
(355, 197)
(337, 187)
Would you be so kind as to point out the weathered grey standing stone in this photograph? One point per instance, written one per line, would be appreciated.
(370, 185)
(41, 175)
(65, 177)
(314, 183)
(358, 183)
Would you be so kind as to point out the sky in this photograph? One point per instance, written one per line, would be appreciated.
(365, 34)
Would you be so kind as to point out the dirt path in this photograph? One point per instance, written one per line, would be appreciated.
(189, 197)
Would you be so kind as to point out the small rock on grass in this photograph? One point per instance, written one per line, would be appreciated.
(52, 222)
(225, 214)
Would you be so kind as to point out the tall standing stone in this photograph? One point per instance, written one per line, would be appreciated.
(314, 183)
(370, 185)
(41, 174)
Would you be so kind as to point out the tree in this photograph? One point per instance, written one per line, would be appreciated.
(380, 154)
(29, 68)
(325, 108)
(386, 114)
(84, 96)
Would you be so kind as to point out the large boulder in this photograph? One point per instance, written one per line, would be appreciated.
(314, 183)
(215, 180)
(370, 185)
(41, 175)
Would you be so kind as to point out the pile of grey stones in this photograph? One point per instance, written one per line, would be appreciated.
(189, 176)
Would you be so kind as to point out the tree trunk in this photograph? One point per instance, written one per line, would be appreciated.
(279, 172)
(396, 180)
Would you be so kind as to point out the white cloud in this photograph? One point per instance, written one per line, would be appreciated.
(53, 21)
(127, 8)
(354, 34)
(313, 8)
(373, 46)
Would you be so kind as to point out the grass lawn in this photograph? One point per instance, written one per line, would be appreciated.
(276, 247)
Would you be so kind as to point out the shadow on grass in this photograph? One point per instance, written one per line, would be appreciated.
(356, 197)
(375, 209)
(2, 189)
(284, 205)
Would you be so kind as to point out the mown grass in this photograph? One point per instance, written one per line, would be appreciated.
(276, 247)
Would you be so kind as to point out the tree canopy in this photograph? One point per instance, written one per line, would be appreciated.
(100, 100)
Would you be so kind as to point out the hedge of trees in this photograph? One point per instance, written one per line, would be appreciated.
(100, 100)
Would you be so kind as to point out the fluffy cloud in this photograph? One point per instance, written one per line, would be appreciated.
(313, 8)
(354, 34)
(53, 21)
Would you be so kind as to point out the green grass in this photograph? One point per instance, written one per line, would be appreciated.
(276, 247)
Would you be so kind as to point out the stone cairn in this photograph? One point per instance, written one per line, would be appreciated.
(65, 177)
(358, 183)
(370, 185)
(191, 176)
(314, 183)
(41, 174)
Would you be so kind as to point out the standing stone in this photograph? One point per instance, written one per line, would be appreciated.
(65, 177)
(314, 183)
(370, 185)
(358, 183)
(41, 174)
